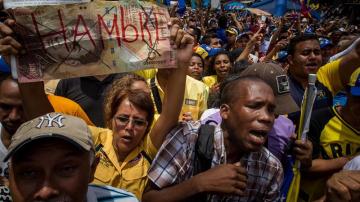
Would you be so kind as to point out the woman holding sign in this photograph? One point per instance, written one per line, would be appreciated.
(127, 149)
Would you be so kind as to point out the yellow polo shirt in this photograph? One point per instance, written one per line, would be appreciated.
(210, 80)
(195, 98)
(130, 175)
(146, 73)
(329, 76)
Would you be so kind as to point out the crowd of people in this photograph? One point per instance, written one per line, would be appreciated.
(222, 126)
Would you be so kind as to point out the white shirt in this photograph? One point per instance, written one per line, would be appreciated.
(97, 193)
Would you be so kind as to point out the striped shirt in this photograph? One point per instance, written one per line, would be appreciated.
(174, 164)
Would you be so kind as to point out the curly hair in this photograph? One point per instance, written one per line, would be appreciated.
(120, 90)
(212, 70)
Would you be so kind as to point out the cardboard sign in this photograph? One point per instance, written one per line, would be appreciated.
(95, 38)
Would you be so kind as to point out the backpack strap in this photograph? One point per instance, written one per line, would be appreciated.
(155, 92)
(204, 152)
(205, 144)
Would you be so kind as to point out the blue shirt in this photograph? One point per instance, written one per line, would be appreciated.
(323, 97)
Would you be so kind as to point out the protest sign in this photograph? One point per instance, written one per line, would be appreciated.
(95, 38)
(23, 3)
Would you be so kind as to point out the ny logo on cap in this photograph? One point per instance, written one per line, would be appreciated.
(48, 121)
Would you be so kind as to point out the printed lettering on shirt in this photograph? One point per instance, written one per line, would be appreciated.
(337, 149)
(191, 102)
(5, 194)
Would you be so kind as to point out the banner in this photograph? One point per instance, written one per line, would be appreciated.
(100, 37)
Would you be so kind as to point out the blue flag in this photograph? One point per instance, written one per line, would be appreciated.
(181, 7)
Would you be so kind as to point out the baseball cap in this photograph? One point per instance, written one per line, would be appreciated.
(52, 125)
(202, 52)
(276, 77)
(244, 34)
(324, 42)
(354, 83)
(232, 30)
(211, 51)
(282, 56)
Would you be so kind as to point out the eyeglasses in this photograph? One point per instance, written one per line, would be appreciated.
(124, 120)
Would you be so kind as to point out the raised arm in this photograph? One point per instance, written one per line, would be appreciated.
(34, 99)
(174, 91)
(349, 63)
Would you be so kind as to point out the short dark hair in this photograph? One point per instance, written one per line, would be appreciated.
(207, 38)
(197, 55)
(197, 32)
(229, 85)
(300, 38)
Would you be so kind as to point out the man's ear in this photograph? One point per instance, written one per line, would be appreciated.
(224, 111)
(290, 59)
(93, 168)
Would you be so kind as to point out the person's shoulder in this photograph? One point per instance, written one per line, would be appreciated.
(189, 127)
(64, 105)
(322, 115)
(68, 83)
(100, 135)
(61, 100)
(210, 80)
(108, 193)
(191, 82)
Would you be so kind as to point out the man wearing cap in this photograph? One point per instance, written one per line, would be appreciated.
(53, 158)
(231, 34)
(327, 49)
(304, 57)
(335, 133)
(15, 101)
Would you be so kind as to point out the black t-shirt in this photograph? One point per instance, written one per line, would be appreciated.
(89, 93)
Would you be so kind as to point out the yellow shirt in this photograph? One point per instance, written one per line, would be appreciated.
(329, 76)
(130, 175)
(195, 98)
(210, 80)
(146, 73)
(69, 107)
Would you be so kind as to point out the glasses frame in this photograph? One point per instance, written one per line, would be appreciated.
(123, 121)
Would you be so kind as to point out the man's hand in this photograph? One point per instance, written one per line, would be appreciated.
(186, 117)
(303, 152)
(182, 43)
(343, 186)
(215, 88)
(281, 44)
(227, 178)
(8, 45)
